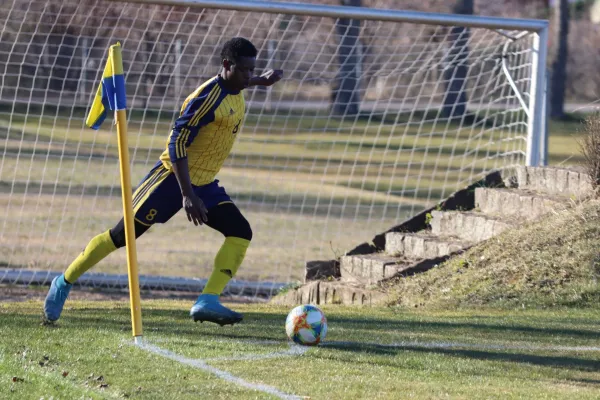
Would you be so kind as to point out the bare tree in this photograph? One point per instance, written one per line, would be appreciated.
(457, 67)
(595, 12)
(560, 19)
(345, 97)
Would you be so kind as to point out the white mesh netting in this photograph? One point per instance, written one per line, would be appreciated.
(313, 179)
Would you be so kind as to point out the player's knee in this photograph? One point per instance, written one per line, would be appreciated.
(243, 230)
(246, 232)
(117, 233)
(118, 237)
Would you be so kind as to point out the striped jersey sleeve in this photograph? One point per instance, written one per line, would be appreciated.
(197, 112)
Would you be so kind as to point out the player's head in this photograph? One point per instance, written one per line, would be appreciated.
(239, 60)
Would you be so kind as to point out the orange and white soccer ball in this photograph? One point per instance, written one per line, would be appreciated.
(306, 325)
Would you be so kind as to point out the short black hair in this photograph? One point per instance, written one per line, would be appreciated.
(236, 48)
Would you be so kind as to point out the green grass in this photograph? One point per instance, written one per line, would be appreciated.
(378, 353)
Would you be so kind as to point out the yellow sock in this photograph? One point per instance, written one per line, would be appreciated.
(98, 248)
(228, 260)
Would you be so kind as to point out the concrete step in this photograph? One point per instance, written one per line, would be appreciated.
(469, 226)
(517, 202)
(369, 269)
(422, 245)
(320, 292)
(551, 180)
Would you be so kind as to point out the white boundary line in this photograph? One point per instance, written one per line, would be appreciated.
(202, 365)
(296, 350)
(243, 341)
(472, 346)
(293, 350)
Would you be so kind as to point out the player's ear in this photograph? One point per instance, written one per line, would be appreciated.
(227, 64)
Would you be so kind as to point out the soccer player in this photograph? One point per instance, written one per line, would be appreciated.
(184, 177)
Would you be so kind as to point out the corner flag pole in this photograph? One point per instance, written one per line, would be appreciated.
(132, 267)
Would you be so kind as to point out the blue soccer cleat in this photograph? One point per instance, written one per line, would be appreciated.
(208, 308)
(55, 300)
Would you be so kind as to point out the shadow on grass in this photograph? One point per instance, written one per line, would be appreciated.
(268, 326)
(111, 318)
(379, 324)
(166, 317)
(484, 355)
(586, 381)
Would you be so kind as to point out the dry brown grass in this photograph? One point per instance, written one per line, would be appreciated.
(47, 232)
(551, 262)
(589, 144)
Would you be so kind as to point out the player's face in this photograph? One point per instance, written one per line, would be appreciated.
(241, 71)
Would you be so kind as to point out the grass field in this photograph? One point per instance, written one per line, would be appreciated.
(369, 353)
(312, 187)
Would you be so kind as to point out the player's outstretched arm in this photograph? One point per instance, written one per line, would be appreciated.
(268, 78)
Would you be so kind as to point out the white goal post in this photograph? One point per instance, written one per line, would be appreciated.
(380, 114)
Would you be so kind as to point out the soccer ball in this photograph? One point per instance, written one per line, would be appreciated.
(306, 325)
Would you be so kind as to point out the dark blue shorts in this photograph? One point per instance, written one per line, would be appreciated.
(158, 196)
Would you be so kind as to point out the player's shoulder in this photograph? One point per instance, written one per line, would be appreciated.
(206, 91)
(205, 88)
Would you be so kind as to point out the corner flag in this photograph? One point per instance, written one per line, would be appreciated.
(111, 96)
(111, 92)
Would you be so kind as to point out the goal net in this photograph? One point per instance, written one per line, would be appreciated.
(376, 119)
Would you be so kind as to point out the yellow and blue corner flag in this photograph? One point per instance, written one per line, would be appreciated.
(111, 92)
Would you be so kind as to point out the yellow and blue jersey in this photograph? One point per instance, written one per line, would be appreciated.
(205, 131)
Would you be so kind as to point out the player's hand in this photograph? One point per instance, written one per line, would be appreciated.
(195, 209)
(271, 76)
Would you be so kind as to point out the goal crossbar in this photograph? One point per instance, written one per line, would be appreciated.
(319, 10)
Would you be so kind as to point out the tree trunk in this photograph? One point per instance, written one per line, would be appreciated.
(560, 19)
(149, 73)
(344, 94)
(61, 68)
(595, 12)
(456, 66)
